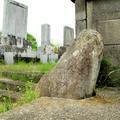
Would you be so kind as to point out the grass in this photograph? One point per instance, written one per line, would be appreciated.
(29, 67)
(29, 94)
(27, 97)
(25, 72)
(6, 104)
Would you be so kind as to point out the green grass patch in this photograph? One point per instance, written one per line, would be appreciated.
(6, 104)
(25, 72)
(28, 67)
(28, 96)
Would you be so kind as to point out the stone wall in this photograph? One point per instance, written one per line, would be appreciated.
(103, 16)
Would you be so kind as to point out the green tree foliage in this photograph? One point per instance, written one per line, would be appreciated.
(32, 39)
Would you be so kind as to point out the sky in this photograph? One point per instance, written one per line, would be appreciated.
(57, 13)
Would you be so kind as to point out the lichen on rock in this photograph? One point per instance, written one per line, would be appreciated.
(76, 73)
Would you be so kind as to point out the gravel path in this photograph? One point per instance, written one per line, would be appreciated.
(101, 107)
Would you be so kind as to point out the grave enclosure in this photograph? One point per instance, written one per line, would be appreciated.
(103, 16)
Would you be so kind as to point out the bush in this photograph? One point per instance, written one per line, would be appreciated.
(103, 74)
(32, 39)
(108, 75)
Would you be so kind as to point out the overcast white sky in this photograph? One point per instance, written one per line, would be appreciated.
(57, 13)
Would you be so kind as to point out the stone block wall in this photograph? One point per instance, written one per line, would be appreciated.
(103, 16)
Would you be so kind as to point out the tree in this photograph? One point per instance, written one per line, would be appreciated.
(32, 39)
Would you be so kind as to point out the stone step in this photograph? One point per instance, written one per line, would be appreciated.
(9, 84)
(14, 96)
(30, 76)
(18, 86)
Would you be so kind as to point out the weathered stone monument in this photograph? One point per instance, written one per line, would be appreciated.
(14, 30)
(103, 16)
(76, 73)
(14, 23)
(45, 35)
(68, 36)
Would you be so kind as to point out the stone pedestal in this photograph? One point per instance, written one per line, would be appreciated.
(9, 57)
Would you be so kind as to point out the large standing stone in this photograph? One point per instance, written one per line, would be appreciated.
(76, 73)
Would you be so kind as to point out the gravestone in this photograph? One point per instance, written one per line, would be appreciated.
(9, 57)
(45, 35)
(14, 22)
(68, 36)
(44, 58)
(53, 58)
(76, 73)
(103, 16)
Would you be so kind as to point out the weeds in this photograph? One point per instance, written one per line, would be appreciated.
(28, 96)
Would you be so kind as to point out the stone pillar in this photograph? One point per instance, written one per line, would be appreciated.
(103, 16)
(68, 36)
(45, 35)
(80, 16)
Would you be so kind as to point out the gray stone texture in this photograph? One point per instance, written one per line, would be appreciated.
(45, 35)
(80, 25)
(44, 58)
(106, 19)
(80, 16)
(15, 19)
(112, 52)
(103, 16)
(102, 107)
(9, 57)
(76, 73)
(68, 36)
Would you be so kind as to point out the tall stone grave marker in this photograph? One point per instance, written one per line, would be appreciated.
(68, 36)
(45, 35)
(44, 58)
(14, 22)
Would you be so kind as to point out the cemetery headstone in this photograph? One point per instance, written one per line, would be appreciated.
(14, 22)
(44, 58)
(68, 36)
(53, 58)
(45, 35)
(9, 57)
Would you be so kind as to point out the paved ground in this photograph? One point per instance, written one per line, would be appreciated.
(105, 106)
